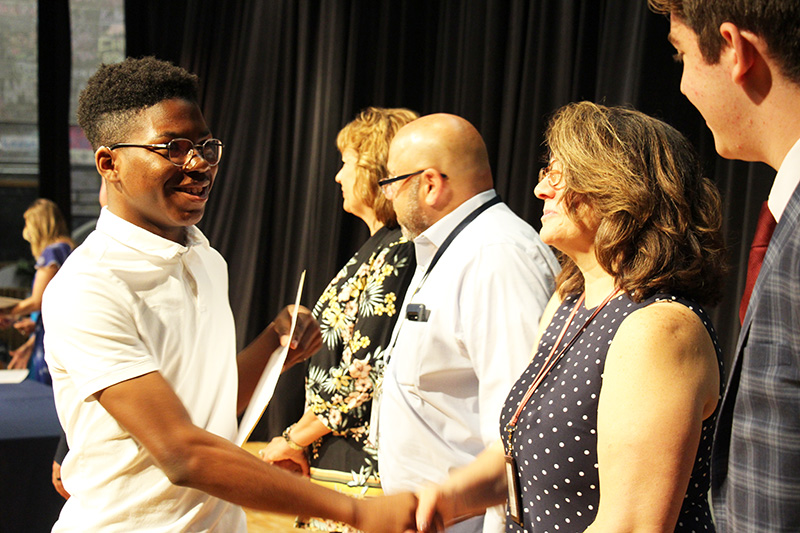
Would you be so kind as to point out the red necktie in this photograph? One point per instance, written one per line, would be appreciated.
(764, 228)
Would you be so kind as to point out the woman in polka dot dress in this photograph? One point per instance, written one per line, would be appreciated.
(609, 429)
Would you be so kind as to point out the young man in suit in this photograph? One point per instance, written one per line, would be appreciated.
(741, 70)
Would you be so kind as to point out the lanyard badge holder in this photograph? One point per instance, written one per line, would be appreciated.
(512, 480)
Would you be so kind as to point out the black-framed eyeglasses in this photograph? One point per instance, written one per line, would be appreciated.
(384, 182)
(555, 178)
(181, 151)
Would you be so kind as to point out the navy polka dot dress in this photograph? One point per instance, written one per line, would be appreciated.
(555, 442)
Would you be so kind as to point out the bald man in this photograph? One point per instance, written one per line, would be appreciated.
(471, 313)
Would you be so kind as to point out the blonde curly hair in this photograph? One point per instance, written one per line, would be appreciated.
(369, 135)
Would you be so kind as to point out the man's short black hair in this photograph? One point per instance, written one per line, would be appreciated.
(117, 92)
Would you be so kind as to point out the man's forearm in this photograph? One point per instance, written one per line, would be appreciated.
(216, 466)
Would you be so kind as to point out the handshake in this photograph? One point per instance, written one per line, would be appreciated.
(429, 510)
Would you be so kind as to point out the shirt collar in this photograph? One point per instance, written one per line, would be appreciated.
(144, 241)
(785, 183)
(428, 242)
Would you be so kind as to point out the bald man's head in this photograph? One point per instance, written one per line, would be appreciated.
(448, 164)
(447, 143)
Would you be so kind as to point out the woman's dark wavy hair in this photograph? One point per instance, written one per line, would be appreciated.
(659, 217)
(116, 93)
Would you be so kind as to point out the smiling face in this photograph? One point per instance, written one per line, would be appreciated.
(144, 187)
(709, 88)
(572, 235)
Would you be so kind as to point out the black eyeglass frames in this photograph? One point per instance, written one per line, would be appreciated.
(384, 182)
(181, 151)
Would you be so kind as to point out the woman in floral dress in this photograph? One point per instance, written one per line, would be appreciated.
(356, 313)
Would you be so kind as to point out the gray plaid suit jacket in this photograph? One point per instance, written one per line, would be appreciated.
(755, 476)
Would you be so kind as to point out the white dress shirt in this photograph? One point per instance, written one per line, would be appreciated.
(449, 375)
(126, 303)
(785, 183)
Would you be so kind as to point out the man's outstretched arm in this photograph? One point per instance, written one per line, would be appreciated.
(149, 409)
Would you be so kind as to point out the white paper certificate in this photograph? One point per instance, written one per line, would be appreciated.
(269, 378)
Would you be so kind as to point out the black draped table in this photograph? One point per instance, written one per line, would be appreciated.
(29, 433)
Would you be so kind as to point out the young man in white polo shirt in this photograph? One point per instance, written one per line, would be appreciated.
(141, 337)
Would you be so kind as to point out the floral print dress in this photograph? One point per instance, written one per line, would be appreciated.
(356, 313)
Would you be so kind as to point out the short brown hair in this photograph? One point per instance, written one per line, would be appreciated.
(775, 21)
(370, 134)
(44, 225)
(659, 217)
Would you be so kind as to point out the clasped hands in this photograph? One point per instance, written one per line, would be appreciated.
(280, 453)
(427, 511)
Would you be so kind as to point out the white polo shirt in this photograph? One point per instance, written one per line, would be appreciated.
(127, 303)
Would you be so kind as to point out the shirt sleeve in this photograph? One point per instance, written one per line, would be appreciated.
(55, 254)
(92, 334)
(506, 291)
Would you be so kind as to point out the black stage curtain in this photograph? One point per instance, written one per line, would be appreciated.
(54, 73)
(281, 77)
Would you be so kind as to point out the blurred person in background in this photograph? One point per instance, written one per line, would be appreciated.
(46, 231)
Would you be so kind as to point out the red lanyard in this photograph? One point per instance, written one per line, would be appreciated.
(552, 361)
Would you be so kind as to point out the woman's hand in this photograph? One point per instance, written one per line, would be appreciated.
(21, 356)
(25, 326)
(433, 508)
(468, 492)
(279, 453)
(386, 514)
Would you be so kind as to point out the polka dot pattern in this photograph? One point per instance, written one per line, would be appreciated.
(555, 442)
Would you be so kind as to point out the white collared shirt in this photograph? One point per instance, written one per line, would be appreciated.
(448, 377)
(785, 183)
(126, 303)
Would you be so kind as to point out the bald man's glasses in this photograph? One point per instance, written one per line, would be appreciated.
(384, 184)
